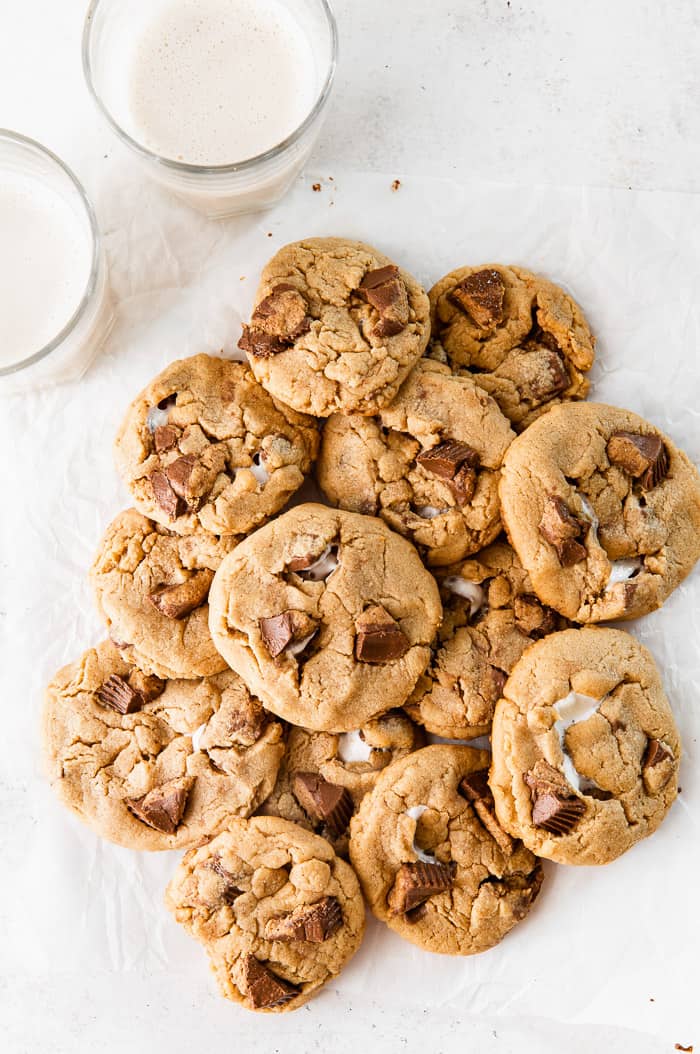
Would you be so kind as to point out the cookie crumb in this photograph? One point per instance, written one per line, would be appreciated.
(396, 184)
(269, 234)
(316, 187)
(679, 1046)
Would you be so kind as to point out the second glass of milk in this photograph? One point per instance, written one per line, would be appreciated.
(222, 99)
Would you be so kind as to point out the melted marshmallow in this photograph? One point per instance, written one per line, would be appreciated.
(156, 418)
(571, 710)
(415, 812)
(621, 570)
(428, 512)
(296, 647)
(352, 747)
(197, 737)
(471, 591)
(322, 568)
(258, 469)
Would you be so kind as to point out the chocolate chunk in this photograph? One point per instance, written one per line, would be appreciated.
(551, 379)
(182, 599)
(657, 767)
(322, 801)
(260, 345)
(264, 988)
(454, 462)
(279, 631)
(171, 504)
(656, 752)
(282, 314)
(162, 808)
(182, 477)
(385, 291)
(481, 295)
(117, 694)
(560, 528)
(416, 883)
(165, 437)
(543, 337)
(315, 923)
(643, 457)
(379, 637)
(475, 788)
(149, 686)
(532, 617)
(555, 807)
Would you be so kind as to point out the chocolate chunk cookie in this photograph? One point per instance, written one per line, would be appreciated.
(324, 777)
(156, 764)
(602, 509)
(204, 445)
(428, 464)
(524, 339)
(490, 616)
(328, 616)
(151, 588)
(433, 862)
(277, 911)
(585, 748)
(336, 326)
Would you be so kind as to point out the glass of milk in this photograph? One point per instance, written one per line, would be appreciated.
(55, 306)
(221, 99)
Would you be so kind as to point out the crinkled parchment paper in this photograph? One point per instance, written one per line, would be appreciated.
(89, 958)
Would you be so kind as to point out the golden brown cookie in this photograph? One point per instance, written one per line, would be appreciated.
(428, 464)
(155, 764)
(585, 748)
(277, 911)
(603, 511)
(336, 326)
(433, 862)
(523, 338)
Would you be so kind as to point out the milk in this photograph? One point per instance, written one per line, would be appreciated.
(45, 263)
(214, 82)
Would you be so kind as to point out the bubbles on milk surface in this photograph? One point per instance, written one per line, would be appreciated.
(213, 82)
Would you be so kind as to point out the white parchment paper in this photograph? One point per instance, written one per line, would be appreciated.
(89, 958)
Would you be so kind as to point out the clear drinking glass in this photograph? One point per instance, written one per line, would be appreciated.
(38, 175)
(112, 28)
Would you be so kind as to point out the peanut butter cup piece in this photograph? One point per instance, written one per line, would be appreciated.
(385, 291)
(532, 617)
(656, 765)
(475, 788)
(643, 457)
(148, 685)
(379, 637)
(117, 694)
(555, 807)
(182, 599)
(166, 437)
(315, 923)
(260, 345)
(170, 502)
(417, 882)
(283, 314)
(264, 988)
(182, 477)
(561, 529)
(163, 807)
(481, 295)
(290, 627)
(323, 802)
(456, 463)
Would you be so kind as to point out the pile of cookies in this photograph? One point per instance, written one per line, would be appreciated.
(283, 691)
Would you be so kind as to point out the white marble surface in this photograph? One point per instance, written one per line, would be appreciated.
(554, 92)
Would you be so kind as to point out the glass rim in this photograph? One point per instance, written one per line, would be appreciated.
(189, 168)
(6, 135)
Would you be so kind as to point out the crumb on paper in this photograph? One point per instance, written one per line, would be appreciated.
(316, 187)
(679, 1046)
(242, 278)
(269, 234)
(396, 184)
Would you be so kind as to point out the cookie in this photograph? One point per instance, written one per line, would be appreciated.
(155, 764)
(603, 511)
(327, 616)
(277, 911)
(523, 338)
(428, 464)
(585, 748)
(490, 616)
(204, 445)
(324, 777)
(336, 326)
(151, 588)
(433, 862)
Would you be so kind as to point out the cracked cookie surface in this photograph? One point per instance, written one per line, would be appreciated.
(523, 338)
(352, 761)
(277, 911)
(336, 326)
(428, 464)
(490, 616)
(327, 615)
(603, 511)
(585, 748)
(204, 445)
(151, 588)
(434, 808)
(156, 764)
